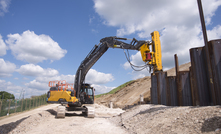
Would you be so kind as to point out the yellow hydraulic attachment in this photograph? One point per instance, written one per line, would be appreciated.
(153, 57)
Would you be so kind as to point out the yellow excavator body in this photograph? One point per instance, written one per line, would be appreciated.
(62, 95)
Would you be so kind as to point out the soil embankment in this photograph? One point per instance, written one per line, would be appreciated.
(130, 94)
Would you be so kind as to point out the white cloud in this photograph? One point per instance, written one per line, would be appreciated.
(40, 86)
(140, 74)
(6, 68)
(214, 33)
(45, 79)
(36, 70)
(34, 48)
(100, 89)
(94, 31)
(37, 85)
(11, 88)
(91, 19)
(135, 60)
(95, 77)
(143, 17)
(2, 47)
(177, 20)
(4, 5)
(41, 82)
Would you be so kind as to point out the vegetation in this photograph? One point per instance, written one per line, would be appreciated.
(14, 106)
(115, 89)
(6, 95)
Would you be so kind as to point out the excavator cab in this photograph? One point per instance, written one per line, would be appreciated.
(87, 94)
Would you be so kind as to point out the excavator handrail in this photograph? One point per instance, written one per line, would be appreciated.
(61, 84)
(56, 82)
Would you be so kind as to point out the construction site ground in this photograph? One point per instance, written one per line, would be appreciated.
(141, 119)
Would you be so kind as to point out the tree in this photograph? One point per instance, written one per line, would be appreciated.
(6, 95)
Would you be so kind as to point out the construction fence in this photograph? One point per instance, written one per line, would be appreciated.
(194, 87)
(13, 106)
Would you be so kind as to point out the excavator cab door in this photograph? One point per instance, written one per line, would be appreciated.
(87, 94)
(90, 94)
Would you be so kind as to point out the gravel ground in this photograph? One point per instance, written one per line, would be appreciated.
(140, 119)
(149, 119)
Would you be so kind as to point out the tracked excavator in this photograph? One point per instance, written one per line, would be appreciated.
(80, 97)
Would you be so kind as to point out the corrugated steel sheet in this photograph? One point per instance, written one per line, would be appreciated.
(184, 81)
(171, 91)
(193, 89)
(161, 87)
(199, 72)
(153, 89)
(215, 56)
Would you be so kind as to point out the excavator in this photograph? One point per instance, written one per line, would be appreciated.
(81, 97)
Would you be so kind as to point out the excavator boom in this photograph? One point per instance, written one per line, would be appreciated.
(97, 51)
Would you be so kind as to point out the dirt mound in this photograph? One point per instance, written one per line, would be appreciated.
(183, 67)
(25, 124)
(130, 94)
(166, 119)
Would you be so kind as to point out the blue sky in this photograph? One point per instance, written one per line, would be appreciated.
(43, 40)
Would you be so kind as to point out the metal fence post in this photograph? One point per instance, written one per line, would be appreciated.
(21, 105)
(15, 105)
(30, 103)
(33, 102)
(9, 106)
(26, 104)
(0, 106)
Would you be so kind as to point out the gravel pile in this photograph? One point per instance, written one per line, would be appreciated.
(168, 120)
(25, 124)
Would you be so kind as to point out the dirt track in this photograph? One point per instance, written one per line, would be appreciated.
(42, 120)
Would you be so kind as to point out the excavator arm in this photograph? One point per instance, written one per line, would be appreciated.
(96, 52)
(116, 42)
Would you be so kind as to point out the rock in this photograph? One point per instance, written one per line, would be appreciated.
(218, 130)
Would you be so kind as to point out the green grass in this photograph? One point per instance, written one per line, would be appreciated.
(115, 89)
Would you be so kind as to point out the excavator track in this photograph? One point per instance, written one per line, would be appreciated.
(90, 111)
(61, 112)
